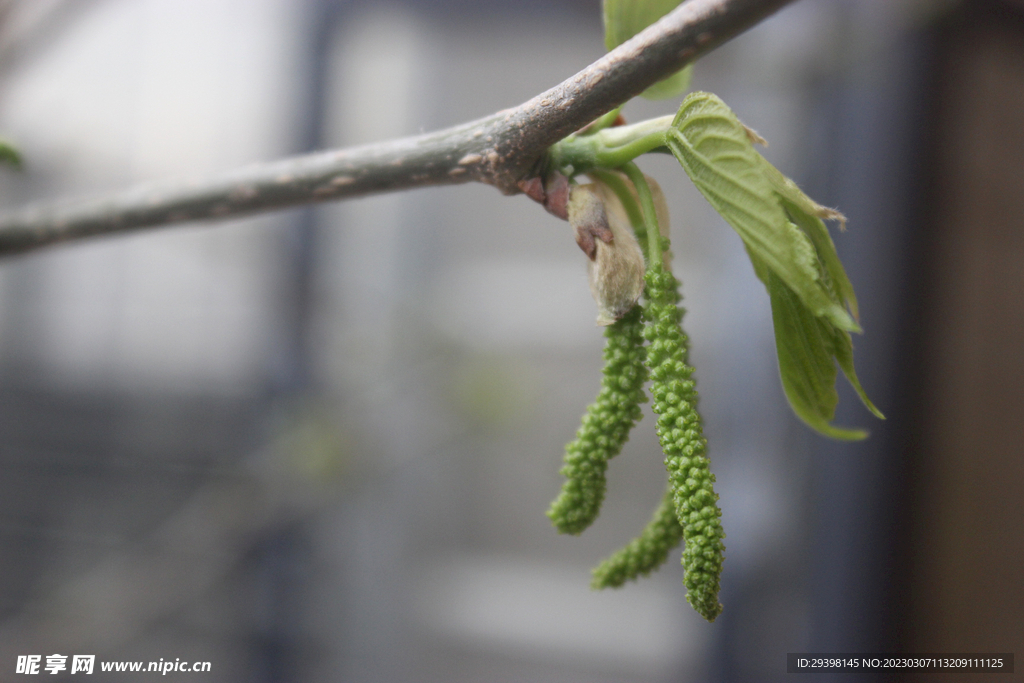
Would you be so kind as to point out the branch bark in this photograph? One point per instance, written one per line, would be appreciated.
(499, 149)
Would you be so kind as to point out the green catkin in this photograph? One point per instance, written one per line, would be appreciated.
(645, 553)
(682, 440)
(605, 426)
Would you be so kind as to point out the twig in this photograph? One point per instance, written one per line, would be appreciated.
(499, 149)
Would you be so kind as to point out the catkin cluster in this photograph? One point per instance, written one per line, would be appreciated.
(601, 216)
(605, 426)
(682, 440)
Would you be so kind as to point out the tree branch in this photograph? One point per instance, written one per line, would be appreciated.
(500, 149)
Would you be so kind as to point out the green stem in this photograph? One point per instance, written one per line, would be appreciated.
(610, 147)
(614, 157)
(622, 135)
(643, 190)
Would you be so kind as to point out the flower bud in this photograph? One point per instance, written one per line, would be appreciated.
(604, 234)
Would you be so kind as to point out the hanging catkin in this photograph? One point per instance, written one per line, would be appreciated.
(682, 440)
(605, 427)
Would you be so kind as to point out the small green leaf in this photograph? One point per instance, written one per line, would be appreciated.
(713, 148)
(8, 154)
(790, 249)
(808, 215)
(623, 19)
(843, 347)
(806, 347)
(832, 272)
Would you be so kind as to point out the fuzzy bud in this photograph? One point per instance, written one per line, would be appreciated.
(604, 234)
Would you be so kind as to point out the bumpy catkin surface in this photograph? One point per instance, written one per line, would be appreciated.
(605, 427)
(646, 552)
(681, 434)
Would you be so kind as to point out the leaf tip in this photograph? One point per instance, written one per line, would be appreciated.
(872, 408)
(842, 433)
(754, 137)
(842, 319)
(827, 214)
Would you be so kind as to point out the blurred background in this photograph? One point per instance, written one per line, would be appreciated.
(318, 444)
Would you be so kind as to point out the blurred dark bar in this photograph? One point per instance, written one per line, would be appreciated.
(965, 574)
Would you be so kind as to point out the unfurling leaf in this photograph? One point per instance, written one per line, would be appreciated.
(806, 347)
(604, 234)
(713, 148)
(623, 19)
(790, 249)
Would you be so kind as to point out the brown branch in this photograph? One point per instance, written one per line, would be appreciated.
(499, 149)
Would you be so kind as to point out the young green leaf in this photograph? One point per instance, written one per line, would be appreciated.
(713, 148)
(645, 553)
(809, 215)
(806, 347)
(790, 249)
(623, 19)
(832, 273)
